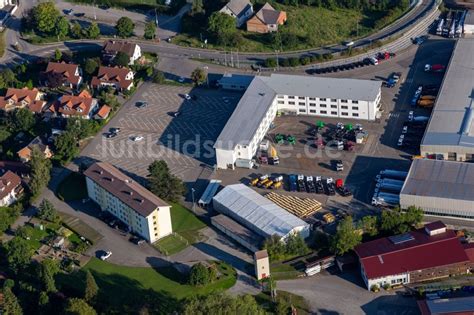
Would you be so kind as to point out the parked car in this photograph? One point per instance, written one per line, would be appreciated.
(68, 11)
(106, 255)
(110, 135)
(181, 80)
(137, 240)
(410, 115)
(141, 104)
(177, 114)
(187, 97)
(114, 130)
(137, 138)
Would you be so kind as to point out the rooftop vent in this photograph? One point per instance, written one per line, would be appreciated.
(402, 238)
(467, 122)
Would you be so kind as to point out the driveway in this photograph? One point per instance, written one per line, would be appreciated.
(344, 294)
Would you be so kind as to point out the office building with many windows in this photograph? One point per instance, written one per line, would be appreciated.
(143, 212)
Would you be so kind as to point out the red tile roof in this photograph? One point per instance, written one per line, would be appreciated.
(114, 75)
(71, 105)
(31, 97)
(382, 257)
(469, 249)
(8, 182)
(104, 111)
(124, 188)
(68, 70)
(113, 46)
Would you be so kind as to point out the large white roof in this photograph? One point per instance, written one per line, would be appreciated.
(256, 212)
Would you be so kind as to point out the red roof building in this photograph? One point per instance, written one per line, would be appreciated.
(118, 78)
(103, 112)
(424, 254)
(82, 105)
(61, 73)
(10, 188)
(22, 98)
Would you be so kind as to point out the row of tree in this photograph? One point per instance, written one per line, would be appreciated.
(294, 245)
(350, 234)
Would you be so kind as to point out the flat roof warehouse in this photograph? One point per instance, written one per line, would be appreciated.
(260, 94)
(451, 122)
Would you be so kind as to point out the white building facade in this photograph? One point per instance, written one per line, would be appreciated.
(297, 95)
(151, 224)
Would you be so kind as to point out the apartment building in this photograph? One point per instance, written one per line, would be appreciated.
(291, 94)
(142, 211)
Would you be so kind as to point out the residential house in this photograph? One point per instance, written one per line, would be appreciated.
(112, 48)
(142, 211)
(22, 98)
(103, 112)
(82, 105)
(425, 254)
(25, 153)
(241, 10)
(62, 74)
(118, 78)
(10, 188)
(266, 20)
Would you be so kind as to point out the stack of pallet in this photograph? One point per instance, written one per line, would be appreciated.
(301, 207)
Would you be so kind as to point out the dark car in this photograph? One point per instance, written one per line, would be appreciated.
(79, 14)
(141, 104)
(137, 240)
(110, 135)
(114, 130)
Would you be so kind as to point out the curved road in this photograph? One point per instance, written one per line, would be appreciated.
(30, 51)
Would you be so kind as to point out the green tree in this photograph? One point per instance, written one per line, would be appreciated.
(274, 247)
(8, 215)
(61, 28)
(77, 306)
(198, 76)
(199, 275)
(57, 55)
(413, 216)
(22, 120)
(224, 303)
(66, 147)
(346, 238)
(47, 270)
(150, 30)
(157, 77)
(221, 26)
(91, 290)
(91, 66)
(76, 30)
(19, 254)
(40, 172)
(45, 17)
(11, 306)
(125, 27)
(295, 245)
(164, 184)
(197, 7)
(47, 211)
(93, 31)
(369, 225)
(121, 59)
(7, 78)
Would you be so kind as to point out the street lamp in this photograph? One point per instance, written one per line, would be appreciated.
(192, 193)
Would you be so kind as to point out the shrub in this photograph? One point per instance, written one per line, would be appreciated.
(305, 60)
(285, 62)
(386, 286)
(374, 288)
(294, 62)
(270, 63)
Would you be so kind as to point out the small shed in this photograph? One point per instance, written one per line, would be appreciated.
(58, 242)
(262, 264)
(209, 193)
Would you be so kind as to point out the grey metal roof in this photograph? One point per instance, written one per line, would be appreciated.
(323, 87)
(247, 116)
(256, 212)
(451, 121)
(258, 98)
(440, 179)
(236, 79)
(238, 7)
(450, 306)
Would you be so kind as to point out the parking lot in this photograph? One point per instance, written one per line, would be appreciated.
(184, 142)
(380, 151)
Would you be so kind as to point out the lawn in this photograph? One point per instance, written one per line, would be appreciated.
(171, 244)
(134, 4)
(73, 187)
(311, 27)
(126, 289)
(185, 223)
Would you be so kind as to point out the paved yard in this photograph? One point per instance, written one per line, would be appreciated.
(343, 294)
(184, 142)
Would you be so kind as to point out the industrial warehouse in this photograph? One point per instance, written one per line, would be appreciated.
(294, 95)
(441, 188)
(257, 214)
(450, 131)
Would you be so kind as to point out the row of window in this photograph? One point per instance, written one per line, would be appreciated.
(320, 105)
(322, 99)
(325, 112)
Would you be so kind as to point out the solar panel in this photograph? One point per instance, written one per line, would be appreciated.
(402, 238)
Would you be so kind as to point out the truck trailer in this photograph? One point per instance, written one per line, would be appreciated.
(393, 174)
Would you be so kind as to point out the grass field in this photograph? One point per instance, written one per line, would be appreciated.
(126, 289)
(311, 27)
(3, 43)
(73, 187)
(186, 225)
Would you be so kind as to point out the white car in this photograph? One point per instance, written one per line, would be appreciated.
(106, 255)
(187, 97)
(405, 129)
(137, 138)
(348, 43)
(181, 80)
(400, 142)
(410, 115)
